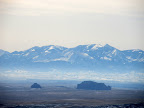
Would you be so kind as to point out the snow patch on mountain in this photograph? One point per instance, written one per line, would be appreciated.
(51, 47)
(35, 57)
(47, 51)
(33, 50)
(96, 46)
(85, 54)
(61, 59)
(131, 59)
(135, 50)
(26, 54)
(106, 58)
(44, 61)
(114, 52)
(68, 54)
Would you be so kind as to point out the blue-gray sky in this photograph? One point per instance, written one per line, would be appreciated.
(28, 23)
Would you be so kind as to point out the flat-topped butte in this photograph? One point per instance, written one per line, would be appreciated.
(90, 85)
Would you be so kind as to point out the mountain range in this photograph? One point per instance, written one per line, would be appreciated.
(83, 57)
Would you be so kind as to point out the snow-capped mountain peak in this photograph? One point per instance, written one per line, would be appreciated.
(96, 46)
(89, 55)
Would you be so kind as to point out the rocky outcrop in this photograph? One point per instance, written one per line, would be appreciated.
(35, 85)
(90, 85)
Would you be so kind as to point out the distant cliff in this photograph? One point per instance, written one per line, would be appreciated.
(90, 85)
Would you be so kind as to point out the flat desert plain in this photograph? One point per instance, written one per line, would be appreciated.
(22, 94)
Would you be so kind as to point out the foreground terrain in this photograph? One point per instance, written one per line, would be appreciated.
(22, 96)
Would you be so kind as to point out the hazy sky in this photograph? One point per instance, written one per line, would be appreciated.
(28, 23)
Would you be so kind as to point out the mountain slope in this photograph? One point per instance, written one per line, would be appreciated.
(2, 52)
(88, 57)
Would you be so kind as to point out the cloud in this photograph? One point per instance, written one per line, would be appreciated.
(46, 7)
